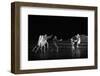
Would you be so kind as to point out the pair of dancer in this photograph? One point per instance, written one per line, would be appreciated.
(75, 41)
(42, 43)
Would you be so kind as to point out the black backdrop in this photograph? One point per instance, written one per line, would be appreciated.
(62, 27)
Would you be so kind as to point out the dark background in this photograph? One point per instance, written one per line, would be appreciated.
(63, 27)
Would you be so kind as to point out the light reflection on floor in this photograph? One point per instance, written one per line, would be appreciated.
(65, 51)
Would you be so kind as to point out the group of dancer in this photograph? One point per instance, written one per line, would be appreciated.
(43, 44)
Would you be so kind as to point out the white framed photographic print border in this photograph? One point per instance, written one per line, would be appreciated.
(19, 35)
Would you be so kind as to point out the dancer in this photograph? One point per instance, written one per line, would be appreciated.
(55, 41)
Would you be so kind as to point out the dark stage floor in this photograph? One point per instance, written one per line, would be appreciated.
(64, 52)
